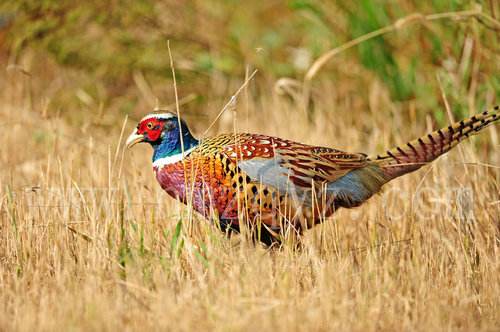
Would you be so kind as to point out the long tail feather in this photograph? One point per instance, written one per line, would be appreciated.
(410, 157)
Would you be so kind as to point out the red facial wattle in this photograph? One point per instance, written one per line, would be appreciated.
(151, 129)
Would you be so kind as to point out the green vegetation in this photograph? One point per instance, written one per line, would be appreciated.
(107, 43)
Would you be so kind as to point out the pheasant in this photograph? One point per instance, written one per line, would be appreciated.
(278, 186)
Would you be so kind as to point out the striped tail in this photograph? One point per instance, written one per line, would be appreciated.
(410, 157)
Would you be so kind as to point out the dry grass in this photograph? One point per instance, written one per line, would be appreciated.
(89, 242)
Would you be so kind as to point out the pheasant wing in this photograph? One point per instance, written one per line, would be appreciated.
(282, 163)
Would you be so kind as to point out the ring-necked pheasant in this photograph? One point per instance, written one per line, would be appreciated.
(277, 184)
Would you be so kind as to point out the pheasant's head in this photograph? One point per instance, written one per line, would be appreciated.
(163, 132)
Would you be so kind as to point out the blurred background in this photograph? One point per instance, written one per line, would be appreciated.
(86, 61)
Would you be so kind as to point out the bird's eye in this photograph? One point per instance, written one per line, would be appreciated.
(150, 125)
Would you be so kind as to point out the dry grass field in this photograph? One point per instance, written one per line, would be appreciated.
(88, 241)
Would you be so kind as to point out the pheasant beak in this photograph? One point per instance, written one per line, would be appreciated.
(133, 139)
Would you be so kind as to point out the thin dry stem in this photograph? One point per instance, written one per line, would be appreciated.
(231, 102)
(399, 24)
